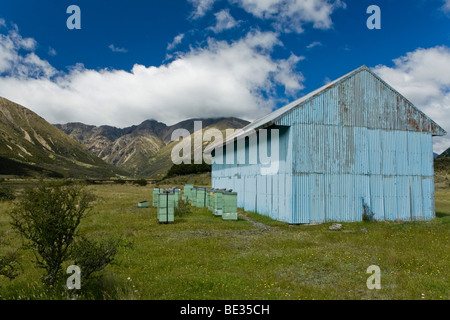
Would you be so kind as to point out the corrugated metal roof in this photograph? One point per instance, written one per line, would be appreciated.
(269, 119)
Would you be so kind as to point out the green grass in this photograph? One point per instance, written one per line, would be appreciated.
(203, 257)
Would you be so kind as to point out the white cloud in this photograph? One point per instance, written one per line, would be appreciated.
(446, 6)
(314, 44)
(26, 65)
(286, 75)
(2, 22)
(224, 21)
(52, 52)
(117, 49)
(201, 7)
(220, 79)
(423, 76)
(176, 41)
(292, 15)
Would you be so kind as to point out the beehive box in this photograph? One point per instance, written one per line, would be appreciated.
(156, 192)
(229, 206)
(166, 207)
(187, 192)
(193, 198)
(218, 202)
(210, 200)
(201, 198)
(177, 196)
(143, 204)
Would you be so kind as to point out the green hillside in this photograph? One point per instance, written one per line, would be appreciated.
(27, 139)
(15, 168)
(159, 165)
(445, 154)
(442, 165)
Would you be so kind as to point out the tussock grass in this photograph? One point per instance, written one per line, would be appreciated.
(203, 257)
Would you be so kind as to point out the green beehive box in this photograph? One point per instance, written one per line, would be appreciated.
(166, 207)
(187, 191)
(193, 198)
(229, 206)
(207, 198)
(156, 192)
(210, 200)
(218, 203)
(177, 196)
(201, 198)
(143, 204)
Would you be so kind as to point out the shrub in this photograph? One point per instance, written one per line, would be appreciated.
(7, 193)
(92, 256)
(48, 217)
(141, 182)
(182, 209)
(442, 165)
(368, 214)
(119, 181)
(9, 265)
(185, 169)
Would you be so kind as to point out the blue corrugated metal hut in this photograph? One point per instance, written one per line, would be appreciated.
(354, 146)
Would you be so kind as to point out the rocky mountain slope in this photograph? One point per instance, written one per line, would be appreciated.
(29, 145)
(143, 150)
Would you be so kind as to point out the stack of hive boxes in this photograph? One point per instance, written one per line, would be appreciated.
(218, 201)
(166, 200)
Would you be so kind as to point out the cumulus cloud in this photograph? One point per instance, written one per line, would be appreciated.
(24, 65)
(176, 41)
(446, 6)
(224, 21)
(423, 76)
(219, 79)
(314, 44)
(292, 15)
(201, 7)
(113, 48)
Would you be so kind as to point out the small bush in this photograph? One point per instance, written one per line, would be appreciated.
(93, 255)
(9, 265)
(141, 182)
(186, 169)
(7, 193)
(68, 182)
(442, 165)
(48, 217)
(182, 209)
(119, 181)
(368, 214)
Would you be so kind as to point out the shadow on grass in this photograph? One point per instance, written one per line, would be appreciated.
(440, 214)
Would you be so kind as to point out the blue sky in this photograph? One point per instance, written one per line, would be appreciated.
(177, 59)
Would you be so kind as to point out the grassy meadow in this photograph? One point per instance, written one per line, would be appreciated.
(203, 257)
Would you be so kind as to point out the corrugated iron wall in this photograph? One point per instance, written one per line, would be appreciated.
(357, 144)
(269, 195)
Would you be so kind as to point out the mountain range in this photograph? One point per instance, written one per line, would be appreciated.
(143, 150)
(31, 146)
